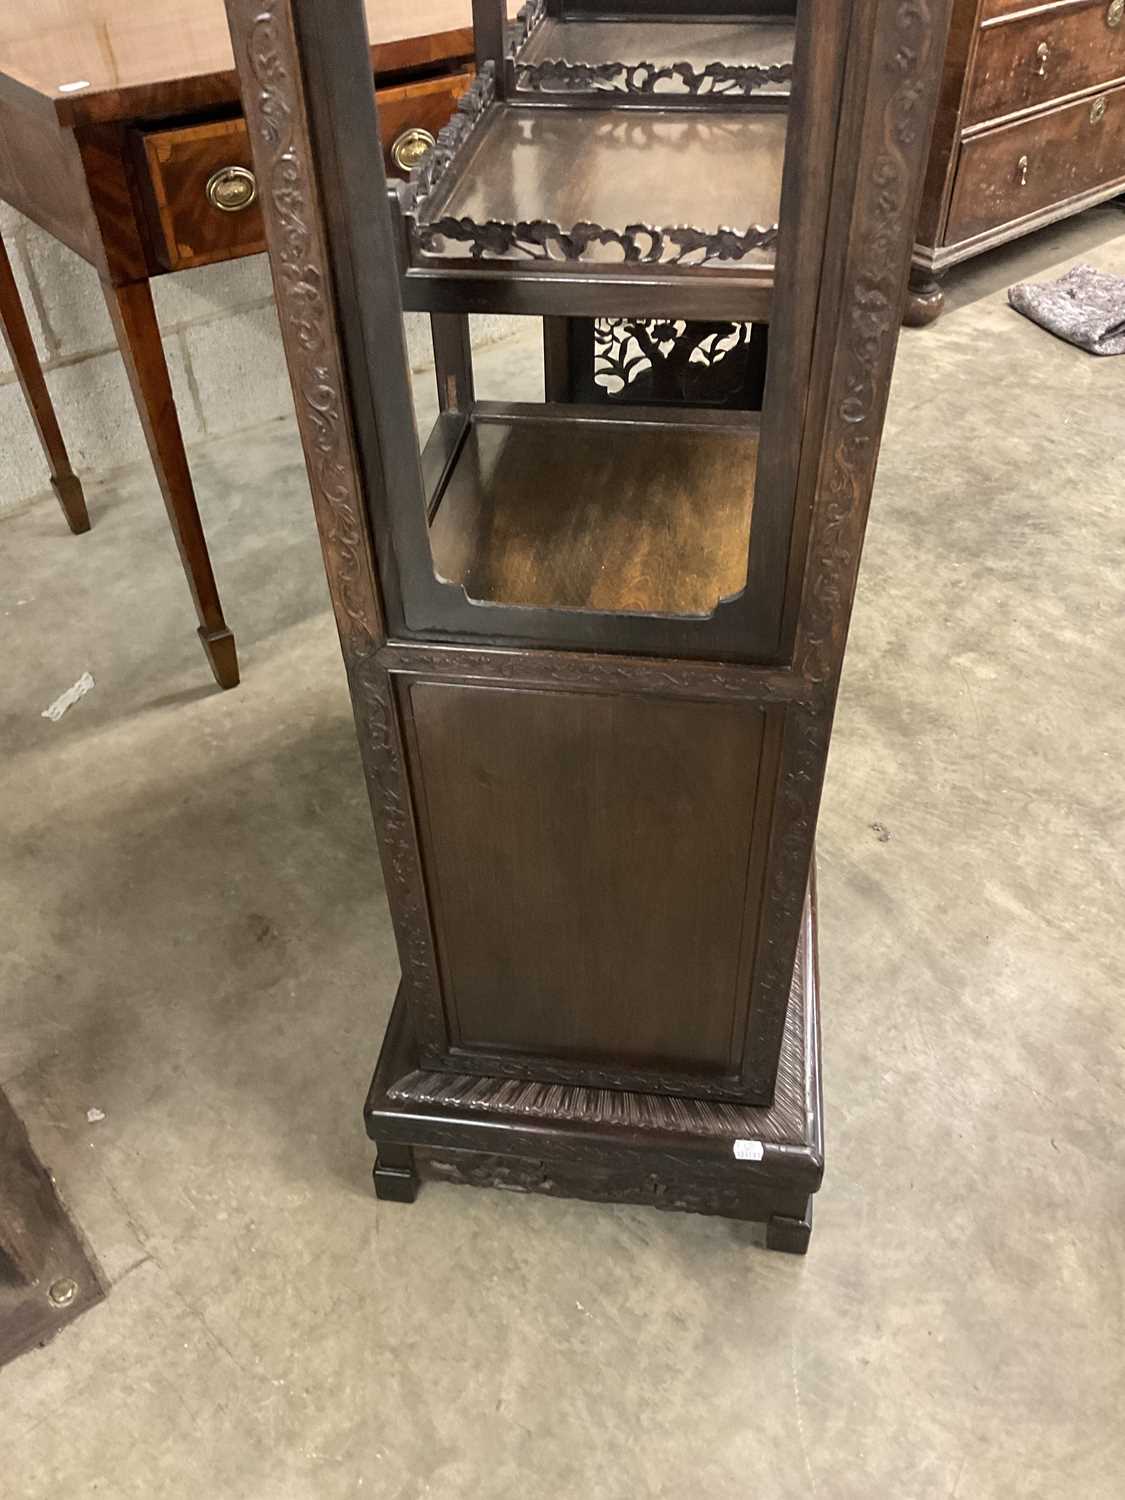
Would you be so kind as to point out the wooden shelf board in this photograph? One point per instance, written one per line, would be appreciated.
(625, 513)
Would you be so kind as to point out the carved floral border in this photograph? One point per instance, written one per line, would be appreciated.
(642, 80)
(299, 262)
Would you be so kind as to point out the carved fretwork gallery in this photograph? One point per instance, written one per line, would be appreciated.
(593, 641)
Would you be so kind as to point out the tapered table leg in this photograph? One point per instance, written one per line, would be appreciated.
(138, 336)
(21, 347)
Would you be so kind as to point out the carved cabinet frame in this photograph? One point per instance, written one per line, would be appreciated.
(848, 322)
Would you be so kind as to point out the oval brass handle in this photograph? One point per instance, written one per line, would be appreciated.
(231, 189)
(1097, 111)
(1042, 53)
(1115, 12)
(1021, 167)
(410, 147)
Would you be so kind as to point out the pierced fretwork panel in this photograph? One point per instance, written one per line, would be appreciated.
(668, 362)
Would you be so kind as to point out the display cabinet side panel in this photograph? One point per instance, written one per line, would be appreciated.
(590, 861)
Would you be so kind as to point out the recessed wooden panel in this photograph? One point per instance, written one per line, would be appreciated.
(588, 859)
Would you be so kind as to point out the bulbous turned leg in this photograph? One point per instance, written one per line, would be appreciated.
(924, 300)
(396, 1180)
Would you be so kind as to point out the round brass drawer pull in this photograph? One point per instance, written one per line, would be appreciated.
(410, 147)
(231, 189)
(1115, 12)
(1097, 111)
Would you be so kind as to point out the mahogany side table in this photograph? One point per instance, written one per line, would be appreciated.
(121, 134)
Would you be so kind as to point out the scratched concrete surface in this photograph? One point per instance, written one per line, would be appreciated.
(196, 944)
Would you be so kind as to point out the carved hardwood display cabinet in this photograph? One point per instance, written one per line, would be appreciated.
(593, 645)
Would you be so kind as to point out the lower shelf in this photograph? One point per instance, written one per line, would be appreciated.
(740, 1162)
(626, 512)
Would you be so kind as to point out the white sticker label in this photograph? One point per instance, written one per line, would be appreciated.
(749, 1150)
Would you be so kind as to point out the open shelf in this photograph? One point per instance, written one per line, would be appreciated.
(564, 168)
(584, 208)
(708, 58)
(639, 511)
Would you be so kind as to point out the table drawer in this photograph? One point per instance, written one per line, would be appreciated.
(200, 177)
(1010, 173)
(1038, 58)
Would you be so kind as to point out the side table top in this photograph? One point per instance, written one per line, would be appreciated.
(90, 61)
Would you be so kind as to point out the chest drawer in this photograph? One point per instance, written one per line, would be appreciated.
(1048, 55)
(200, 180)
(1016, 170)
(992, 8)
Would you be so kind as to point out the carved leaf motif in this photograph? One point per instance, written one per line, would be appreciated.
(869, 338)
(639, 244)
(646, 79)
(627, 349)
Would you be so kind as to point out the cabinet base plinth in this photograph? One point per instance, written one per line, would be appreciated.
(756, 1163)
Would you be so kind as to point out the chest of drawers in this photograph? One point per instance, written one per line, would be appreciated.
(1031, 128)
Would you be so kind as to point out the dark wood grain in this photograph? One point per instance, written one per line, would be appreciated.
(783, 1123)
(25, 361)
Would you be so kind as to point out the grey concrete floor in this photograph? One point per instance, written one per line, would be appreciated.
(195, 943)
